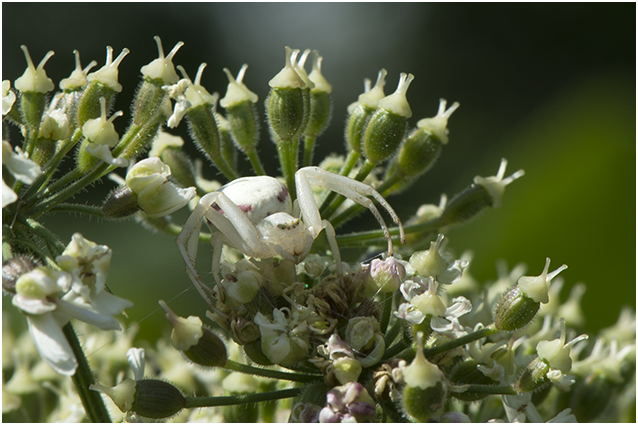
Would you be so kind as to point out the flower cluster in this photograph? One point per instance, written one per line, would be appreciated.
(292, 331)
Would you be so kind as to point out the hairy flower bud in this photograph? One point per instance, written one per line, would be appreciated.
(157, 399)
(286, 105)
(33, 86)
(485, 192)
(387, 125)
(320, 104)
(242, 115)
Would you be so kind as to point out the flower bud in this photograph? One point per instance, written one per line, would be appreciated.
(361, 111)
(156, 195)
(423, 146)
(348, 403)
(514, 310)
(429, 303)
(424, 393)
(77, 80)
(168, 148)
(33, 86)
(197, 342)
(387, 125)
(8, 97)
(149, 99)
(282, 342)
(226, 141)
(534, 377)
(100, 136)
(13, 268)
(485, 192)
(387, 274)
(242, 115)
(320, 104)
(103, 83)
(286, 105)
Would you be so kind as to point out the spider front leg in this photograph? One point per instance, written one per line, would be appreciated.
(352, 189)
(187, 243)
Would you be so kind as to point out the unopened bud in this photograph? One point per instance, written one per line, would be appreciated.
(534, 377)
(515, 310)
(157, 399)
(120, 203)
(320, 103)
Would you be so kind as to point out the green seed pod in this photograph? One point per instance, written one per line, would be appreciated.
(157, 399)
(210, 350)
(467, 372)
(204, 130)
(89, 105)
(43, 150)
(421, 404)
(32, 106)
(417, 155)
(120, 203)
(515, 310)
(182, 170)
(357, 123)
(286, 110)
(13, 268)
(239, 103)
(361, 111)
(320, 113)
(288, 103)
(148, 101)
(465, 206)
(388, 124)
(534, 377)
(227, 142)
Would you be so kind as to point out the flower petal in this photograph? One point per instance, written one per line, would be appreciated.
(51, 343)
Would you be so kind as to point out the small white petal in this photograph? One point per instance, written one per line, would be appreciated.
(88, 315)
(51, 343)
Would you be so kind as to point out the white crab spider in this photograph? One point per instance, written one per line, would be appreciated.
(255, 215)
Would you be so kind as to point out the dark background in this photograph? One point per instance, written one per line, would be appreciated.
(551, 87)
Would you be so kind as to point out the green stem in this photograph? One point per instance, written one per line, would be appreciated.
(255, 162)
(361, 175)
(193, 402)
(43, 233)
(308, 150)
(396, 349)
(391, 335)
(52, 165)
(372, 237)
(270, 373)
(288, 163)
(481, 333)
(387, 312)
(79, 208)
(83, 378)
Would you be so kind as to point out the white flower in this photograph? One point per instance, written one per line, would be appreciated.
(156, 195)
(43, 295)
(237, 91)
(35, 79)
(21, 167)
(288, 78)
(163, 141)
(495, 185)
(55, 123)
(449, 321)
(8, 97)
(282, 342)
(537, 287)
(437, 263)
(437, 125)
(78, 77)
(102, 135)
(108, 74)
(162, 67)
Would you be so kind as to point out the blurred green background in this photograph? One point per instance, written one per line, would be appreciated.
(550, 87)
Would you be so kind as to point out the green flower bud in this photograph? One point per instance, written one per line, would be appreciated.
(99, 137)
(467, 372)
(320, 103)
(204, 131)
(226, 141)
(534, 377)
(485, 192)
(198, 343)
(157, 399)
(43, 150)
(242, 115)
(287, 107)
(423, 146)
(424, 393)
(387, 125)
(13, 268)
(103, 83)
(120, 203)
(361, 111)
(515, 310)
(33, 86)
